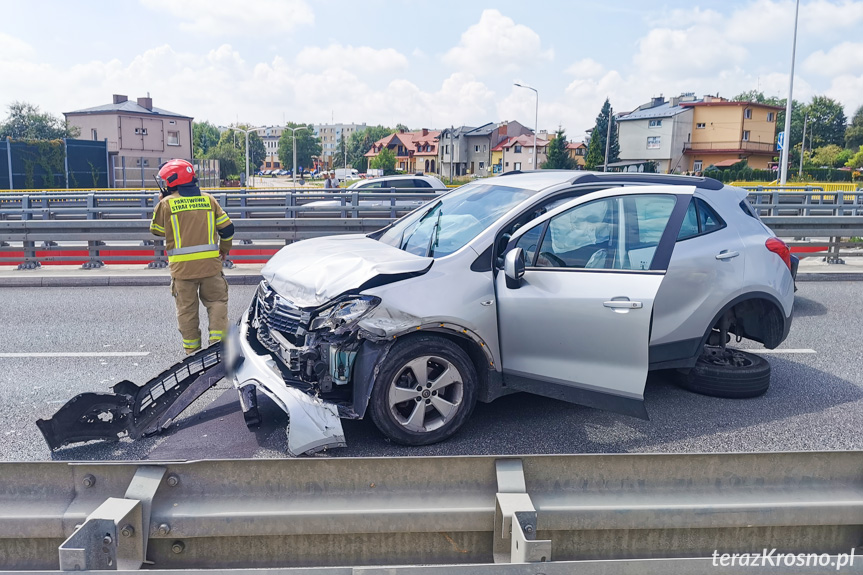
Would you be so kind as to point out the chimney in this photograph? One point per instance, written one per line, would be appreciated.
(146, 103)
(425, 132)
(674, 101)
(120, 98)
(657, 101)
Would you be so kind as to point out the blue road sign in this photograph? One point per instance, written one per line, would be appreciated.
(780, 140)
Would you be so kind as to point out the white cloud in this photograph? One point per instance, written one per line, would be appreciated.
(586, 68)
(843, 58)
(12, 48)
(665, 53)
(496, 43)
(847, 89)
(361, 58)
(259, 17)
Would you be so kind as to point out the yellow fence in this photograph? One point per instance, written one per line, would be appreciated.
(826, 186)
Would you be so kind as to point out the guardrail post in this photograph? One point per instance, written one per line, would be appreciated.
(343, 202)
(833, 251)
(355, 203)
(515, 518)
(161, 260)
(290, 203)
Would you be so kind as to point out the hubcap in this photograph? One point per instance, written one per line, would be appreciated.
(425, 394)
(725, 357)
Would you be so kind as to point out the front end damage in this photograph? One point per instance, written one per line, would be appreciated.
(317, 364)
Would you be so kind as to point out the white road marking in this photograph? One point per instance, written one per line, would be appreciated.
(79, 354)
(758, 351)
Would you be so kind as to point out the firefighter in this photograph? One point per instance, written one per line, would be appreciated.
(198, 237)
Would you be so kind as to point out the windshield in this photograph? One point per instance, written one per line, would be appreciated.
(448, 224)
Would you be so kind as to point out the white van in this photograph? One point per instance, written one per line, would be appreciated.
(343, 174)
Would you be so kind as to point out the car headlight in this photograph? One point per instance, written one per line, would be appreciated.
(345, 313)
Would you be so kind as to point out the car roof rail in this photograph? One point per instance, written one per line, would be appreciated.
(633, 177)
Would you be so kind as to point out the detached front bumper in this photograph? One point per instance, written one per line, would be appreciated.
(313, 424)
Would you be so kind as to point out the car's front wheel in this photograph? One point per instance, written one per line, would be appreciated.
(424, 392)
(729, 373)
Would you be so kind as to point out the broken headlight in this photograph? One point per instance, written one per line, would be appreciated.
(344, 313)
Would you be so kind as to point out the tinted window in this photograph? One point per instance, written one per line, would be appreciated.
(690, 222)
(421, 184)
(708, 220)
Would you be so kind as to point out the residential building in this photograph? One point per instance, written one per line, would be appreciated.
(725, 132)
(270, 136)
(577, 151)
(516, 153)
(655, 132)
(415, 151)
(330, 136)
(453, 146)
(140, 136)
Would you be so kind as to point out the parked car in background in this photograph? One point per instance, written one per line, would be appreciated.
(401, 182)
(570, 285)
(343, 175)
(376, 207)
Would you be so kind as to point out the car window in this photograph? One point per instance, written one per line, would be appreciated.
(403, 183)
(690, 222)
(371, 186)
(529, 241)
(612, 233)
(421, 184)
(700, 219)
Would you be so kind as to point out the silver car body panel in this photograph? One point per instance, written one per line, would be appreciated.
(313, 424)
(312, 272)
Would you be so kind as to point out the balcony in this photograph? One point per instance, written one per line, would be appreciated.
(732, 146)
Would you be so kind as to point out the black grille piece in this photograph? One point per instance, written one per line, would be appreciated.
(277, 313)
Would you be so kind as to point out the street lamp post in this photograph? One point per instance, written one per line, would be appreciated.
(536, 120)
(246, 132)
(294, 148)
(783, 170)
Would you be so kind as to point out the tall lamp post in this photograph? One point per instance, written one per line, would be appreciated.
(294, 148)
(783, 170)
(246, 132)
(536, 120)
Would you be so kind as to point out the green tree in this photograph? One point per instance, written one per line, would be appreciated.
(826, 122)
(308, 146)
(385, 161)
(204, 137)
(831, 156)
(856, 161)
(257, 151)
(854, 132)
(401, 128)
(230, 159)
(755, 96)
(558, 157)
(361, 142)
(26, 122)
(596, 149)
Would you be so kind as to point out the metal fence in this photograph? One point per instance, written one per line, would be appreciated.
(66, 163)
(663, 513)
(138, 173)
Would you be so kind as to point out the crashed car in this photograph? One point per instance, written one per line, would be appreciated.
(570, 285)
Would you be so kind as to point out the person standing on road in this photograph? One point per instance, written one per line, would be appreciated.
(198, 236)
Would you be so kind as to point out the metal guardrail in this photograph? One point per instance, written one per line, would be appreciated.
(804, 201)
(826, 186)
(242, 204)
(658, 513)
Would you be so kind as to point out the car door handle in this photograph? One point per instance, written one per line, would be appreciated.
(726, 255)
(623, 304)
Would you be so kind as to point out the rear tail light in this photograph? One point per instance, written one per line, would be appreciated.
(779, 248)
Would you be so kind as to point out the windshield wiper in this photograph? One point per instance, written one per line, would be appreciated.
(402, 240)
(433, 236)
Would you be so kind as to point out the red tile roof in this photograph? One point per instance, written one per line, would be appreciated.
(524, 140)
(414, 142)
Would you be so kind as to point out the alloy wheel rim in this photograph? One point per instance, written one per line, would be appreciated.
(425, 394)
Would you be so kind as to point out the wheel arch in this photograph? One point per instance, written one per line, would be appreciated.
(760, 317)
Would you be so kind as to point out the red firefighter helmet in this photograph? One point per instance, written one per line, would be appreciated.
(176, 173)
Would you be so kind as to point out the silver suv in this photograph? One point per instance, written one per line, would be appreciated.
(571, 285)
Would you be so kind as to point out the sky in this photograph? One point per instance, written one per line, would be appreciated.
(422, 64)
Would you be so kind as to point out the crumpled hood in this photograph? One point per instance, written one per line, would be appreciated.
(312, 272)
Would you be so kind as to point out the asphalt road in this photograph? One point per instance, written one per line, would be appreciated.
(815, 401)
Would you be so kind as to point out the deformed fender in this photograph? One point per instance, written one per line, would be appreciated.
(366, 367)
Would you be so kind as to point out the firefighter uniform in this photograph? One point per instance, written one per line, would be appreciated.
(197, 232)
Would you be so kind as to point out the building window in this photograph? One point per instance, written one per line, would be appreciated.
(745, 135)
(141, 131)
(485, 147)
(446, 149)
(517, 165)
(699, 126)
(697, 165)
(476, 148)
(747, 114)
(518, 148)
(173, 138)
(654, 124)
(507, 164)
(771, 116)
(268, 165)
(93, 133)
(653, 142)
(482, 165)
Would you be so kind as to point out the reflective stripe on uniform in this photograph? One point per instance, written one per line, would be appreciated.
(193, 249)
(193, 257)
(222, 219)
(211, 226)
(176, 225)
(191, 343)
(228, 239)
(216, 335)
(157, 227)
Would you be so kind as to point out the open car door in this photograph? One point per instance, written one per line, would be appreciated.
(576, 324)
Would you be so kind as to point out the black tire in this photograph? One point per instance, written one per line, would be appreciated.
(747, 375)
(402, 421)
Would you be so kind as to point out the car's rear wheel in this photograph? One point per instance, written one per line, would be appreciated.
(424, 392)
(728, 373)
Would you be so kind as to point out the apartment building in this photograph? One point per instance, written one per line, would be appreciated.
(330, 136)
(656, 132)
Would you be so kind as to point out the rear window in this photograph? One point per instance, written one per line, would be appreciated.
(747, 209)
(700, 219)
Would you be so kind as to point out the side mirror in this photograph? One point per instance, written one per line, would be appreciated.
(513, 268)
